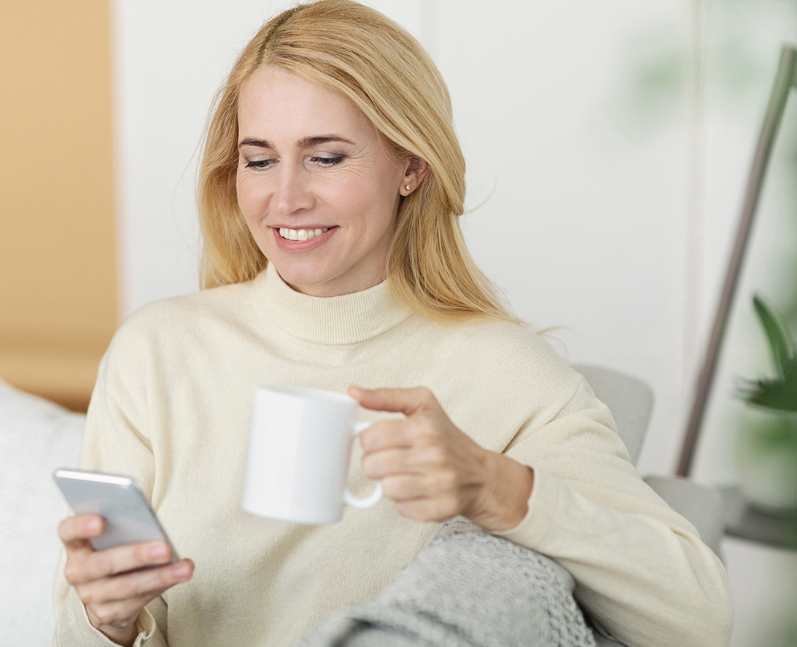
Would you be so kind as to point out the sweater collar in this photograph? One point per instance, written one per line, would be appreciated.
(346, 319)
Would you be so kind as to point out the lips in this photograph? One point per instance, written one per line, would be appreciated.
(295, 239)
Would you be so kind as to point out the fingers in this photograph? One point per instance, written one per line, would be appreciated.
(386, 434)
(408, 475)
(111, 583)
(113, 601)
(429, 508)
(428, 467)
(130, 587)
(384, 463)
(84, 564)
(407, 487)
(406, 401)
(423, 429)
(86, 567)
(76, 531)
(378, 465)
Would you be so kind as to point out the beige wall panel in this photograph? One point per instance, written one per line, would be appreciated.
(58, 278)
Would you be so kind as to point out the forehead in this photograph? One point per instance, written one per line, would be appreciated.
(274, 101)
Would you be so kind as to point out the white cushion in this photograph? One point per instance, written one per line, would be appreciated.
(36, 437)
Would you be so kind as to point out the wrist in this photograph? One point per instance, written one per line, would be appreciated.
(125, 637)
(507, 488)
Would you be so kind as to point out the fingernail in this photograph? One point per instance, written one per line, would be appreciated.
(93, 524)
(181, 572)
(158, 551)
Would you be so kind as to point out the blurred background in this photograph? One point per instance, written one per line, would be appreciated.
(608, 147)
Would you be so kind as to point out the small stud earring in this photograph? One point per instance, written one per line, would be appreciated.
(407, 187)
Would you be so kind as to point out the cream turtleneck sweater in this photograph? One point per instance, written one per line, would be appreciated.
(171, 408)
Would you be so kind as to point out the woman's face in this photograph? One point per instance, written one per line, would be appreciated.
(318, 189)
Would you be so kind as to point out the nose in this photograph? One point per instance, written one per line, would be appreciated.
(293, 194)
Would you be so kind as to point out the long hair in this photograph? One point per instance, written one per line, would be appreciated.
(361, 54)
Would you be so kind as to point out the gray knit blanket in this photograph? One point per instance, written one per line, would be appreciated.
(466, 588)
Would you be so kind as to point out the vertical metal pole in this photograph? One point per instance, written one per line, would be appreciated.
(786, 79)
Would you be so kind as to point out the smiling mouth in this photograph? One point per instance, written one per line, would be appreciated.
(301, 234)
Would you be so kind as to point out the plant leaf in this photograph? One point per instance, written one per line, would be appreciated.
(779, 343)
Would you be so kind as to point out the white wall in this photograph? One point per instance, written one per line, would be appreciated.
(585, 223)
(583, 220)
(607, 144)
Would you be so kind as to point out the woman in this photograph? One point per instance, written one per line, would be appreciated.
(329, 193)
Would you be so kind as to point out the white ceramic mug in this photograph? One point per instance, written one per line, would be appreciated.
(299, 447)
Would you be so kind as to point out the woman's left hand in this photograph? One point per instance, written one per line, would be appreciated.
(432, 470)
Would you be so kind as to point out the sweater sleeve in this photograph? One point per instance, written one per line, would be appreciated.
(641, 571)
(112, 443)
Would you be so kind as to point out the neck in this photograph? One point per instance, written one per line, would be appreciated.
(339, 319)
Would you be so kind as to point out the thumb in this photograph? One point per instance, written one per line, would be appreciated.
(406, 401)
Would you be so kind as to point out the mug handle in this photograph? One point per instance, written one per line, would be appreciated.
(376, 496)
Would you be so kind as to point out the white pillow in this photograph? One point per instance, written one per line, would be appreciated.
(36, 437)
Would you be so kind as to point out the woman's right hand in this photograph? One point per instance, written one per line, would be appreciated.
(114, 597)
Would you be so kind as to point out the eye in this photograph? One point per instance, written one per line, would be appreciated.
(327, 161)
(259, 164)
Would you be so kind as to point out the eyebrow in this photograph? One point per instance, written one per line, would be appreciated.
(303, 143)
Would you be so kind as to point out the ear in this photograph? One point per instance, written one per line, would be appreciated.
(415, 169)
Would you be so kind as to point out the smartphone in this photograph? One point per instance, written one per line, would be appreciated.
(128, 516)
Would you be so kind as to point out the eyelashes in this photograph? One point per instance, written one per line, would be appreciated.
(326, 162)
(259, 164)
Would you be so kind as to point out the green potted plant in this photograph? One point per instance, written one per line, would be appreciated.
(768, 435)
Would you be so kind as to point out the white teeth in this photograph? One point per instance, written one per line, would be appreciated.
(301, 234)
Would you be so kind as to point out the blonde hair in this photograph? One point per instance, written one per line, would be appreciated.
(359, 53)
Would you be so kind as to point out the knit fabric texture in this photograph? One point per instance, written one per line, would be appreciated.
(466, 588)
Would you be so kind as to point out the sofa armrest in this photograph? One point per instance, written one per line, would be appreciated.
(699, 504)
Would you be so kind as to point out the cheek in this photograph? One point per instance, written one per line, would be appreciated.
(384, 206)
(370, 212)
(373, 201)
(249, 199)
